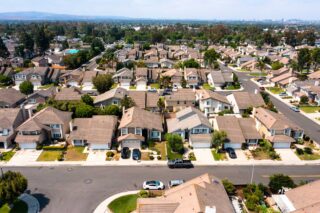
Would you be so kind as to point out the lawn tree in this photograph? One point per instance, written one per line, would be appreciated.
(218, 139)
(84, 111)
(175, 142)
(165, 82)
(304, 59)
(4, 53)
(87, 99)
(127, 102)
(26, 87)
(183, 82)
(5, 80)
(110, 110)
(278, 181)
(304, 99)
(42, 40)
(161, 105)
(210, 57)
(103, 82)
(315, 53)
(260, 65)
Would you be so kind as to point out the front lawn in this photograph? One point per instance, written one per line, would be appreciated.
(6, 156)
(155, 86)
(306, 156)
(258, 74)
(76, 154)
(275, 90)
(133, 87)
(50, 155)
(124, 204)
(310, 109)
(47, 86)
(265, 151)
(232, 87)
(207, 86)
(18, 207)
(172, 155)
(114, 86)
(161, 149)
(218, 156)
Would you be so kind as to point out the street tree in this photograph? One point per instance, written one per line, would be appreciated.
(26, 87)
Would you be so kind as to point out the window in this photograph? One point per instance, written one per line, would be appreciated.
(32, 101)
(55, 126)
(56, 135)
(178, 102)
(155, 134)
(115, 102)
(138, 131)
(124, 131)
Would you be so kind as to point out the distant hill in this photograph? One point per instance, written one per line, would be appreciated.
(41, 16)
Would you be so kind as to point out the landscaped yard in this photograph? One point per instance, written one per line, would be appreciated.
(18, 207)
(114, 86)
(6, 156)
(232, 87)
(161, 147)
(76, 154)
(172, 155)
(145, 155)
(124, 204)
(265, 152)
(258, 74)
(275, 90)
(47, 86)
(310, 109)
(133, 87)
(218, 156)
(155, 86)
(207, 86)
(309, 156)
(50, 155)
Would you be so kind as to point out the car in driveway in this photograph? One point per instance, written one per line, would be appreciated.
(232, 154)
(295, 109)
(283, 94)
(136, 154)
(125, 153)
(153, 185)
(173, 183)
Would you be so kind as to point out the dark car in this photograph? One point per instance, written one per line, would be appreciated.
(125, 153)
(179, 163)
(232, 154)
(136, 154)
(262, 88)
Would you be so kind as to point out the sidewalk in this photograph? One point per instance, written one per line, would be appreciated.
(103, 206)
(32, 202)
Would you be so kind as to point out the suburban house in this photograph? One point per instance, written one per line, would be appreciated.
(152, 62)
(37, 76)
(244, 59)
(123, 77)
(150, 75)
(190, 121)
(11, 98)
(239, 131)
(314, 75)
(211, 102)
(10, 119)
(241, 101)
(72, 78)
(97, 132)
(302, 199)
(39, 61)
(202, 194)
(138, 125)
(192, 77)
(68, 94)
(166, 63)
(87, 80)
(175, 77)
(219, 78)
(180, 99)
(276, 128)
(283, 80)
(46, 126)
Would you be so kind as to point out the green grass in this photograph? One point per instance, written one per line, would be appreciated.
(133, 87)
(207, 86)
(310, 109)
(76, 154)
(275, 90)
(306, 156)
(218, 156)
(47, 86)
(172, 155)
(155, 86)
(18, 207)
(161, 147)
(258, 74)
(114, 86)
(124, 204)
(6, 156)
(49, 155)
(232, 87)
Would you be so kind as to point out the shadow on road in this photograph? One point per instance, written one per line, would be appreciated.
(43, 200)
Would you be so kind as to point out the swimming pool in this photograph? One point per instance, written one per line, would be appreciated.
(72, 51)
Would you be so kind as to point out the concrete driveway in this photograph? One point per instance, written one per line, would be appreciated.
(96, 156)
(23, 156)
(287, 155)
(240, 156)
(203, 155)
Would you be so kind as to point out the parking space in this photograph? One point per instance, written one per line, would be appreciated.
(23, 156)
(287, 155)
(96, 156)
(203, 155)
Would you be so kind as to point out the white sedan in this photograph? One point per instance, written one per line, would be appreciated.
(153, 185)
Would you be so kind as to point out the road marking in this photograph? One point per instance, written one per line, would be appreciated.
(297, 176)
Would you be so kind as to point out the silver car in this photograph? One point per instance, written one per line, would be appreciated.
(173, 183)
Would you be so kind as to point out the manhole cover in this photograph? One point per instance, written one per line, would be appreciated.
(88, 181)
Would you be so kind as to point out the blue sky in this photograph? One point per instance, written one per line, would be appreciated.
(181, 9)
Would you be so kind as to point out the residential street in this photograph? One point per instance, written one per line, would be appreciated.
(80, 189)
(311, 129)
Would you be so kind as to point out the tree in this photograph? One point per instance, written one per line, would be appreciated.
(304, 59)
(27, 41)
(260, 65)
(175, 142)
(316, 57)
(165, 81)
(12, 185)
(127, 102)
(211, 56)
(161, 104)
(97, 46)
(229, 187)
(276, 65)
(87, 99)
(191, 63)
(111, 110)
(304, 99)
(277, 181)
(5, 80)
(84, 111)
(103, 82)
(4, 53)
(41, 39)
(218, 138)
(26, 87)
(183, 82)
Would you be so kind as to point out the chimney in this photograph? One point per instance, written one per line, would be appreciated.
(255, 91)
(71, 125)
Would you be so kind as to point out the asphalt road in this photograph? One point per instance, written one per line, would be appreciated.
(311, 128)
(80, 189)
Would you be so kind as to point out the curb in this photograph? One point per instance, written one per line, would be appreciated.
(103, 206)
(31, 201)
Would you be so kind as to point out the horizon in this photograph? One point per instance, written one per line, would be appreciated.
(178, 9)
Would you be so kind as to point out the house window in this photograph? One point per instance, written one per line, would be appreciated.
(55, 126)
(124, 131)
(208, 102)
(138, 131)
(56, 135)
(32, 101)
(115, 102)
(178, 102)
(155, 134)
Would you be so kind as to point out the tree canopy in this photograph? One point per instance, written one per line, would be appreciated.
(26, 87)
(103, 83)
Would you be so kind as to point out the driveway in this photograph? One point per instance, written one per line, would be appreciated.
(241, 157)
(23, 156)
(96, 156)
(287, 155)
(203, 155)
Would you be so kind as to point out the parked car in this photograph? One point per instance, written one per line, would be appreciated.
(179, 163)
(173, 183)
(152, 90)
(136, 154)
(295, 109)
(153, 185)
(262, 88)
(125, 153)
(232, 154)
(283, 94)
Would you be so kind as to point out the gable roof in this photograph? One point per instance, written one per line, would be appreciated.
(68, 94)
(11, 96)
(245, 100)
(8, 117)
(208, 94)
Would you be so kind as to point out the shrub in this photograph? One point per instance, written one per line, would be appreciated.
(39, 146)
(192, 157)
(273, 155)
(151, 143)
(53, 148)
(229, 187)
(151, 157)
(308, 150)
(143, 194)
(159, 157)
(110, 154)
(299, 151)
(277, 181)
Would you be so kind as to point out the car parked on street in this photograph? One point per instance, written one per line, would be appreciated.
(153, 185)
(179, 163)
(136, 154)
(295, 109)
(173, 183)
(125, 153)
(232, 154)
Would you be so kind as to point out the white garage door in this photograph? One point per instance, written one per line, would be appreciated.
(99, 146)
(232, 145)
(132, 144)
(197, 145)
(28, 145)
(141, 86)
(281, 145)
